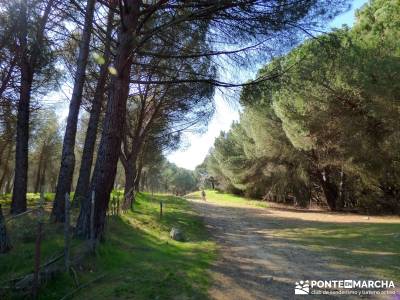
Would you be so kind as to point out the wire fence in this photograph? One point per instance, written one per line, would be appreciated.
(46, 248)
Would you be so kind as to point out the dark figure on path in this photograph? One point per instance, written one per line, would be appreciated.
(203, 195)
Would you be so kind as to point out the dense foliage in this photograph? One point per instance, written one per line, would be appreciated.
(328, 129)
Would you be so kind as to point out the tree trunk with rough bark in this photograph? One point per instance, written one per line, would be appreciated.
(129, 192)
(65, 176)
(18, 204)
(82, 186)
(28, 64)
(110, 143)
(130, 168)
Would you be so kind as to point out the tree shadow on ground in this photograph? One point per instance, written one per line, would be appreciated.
(264, 255)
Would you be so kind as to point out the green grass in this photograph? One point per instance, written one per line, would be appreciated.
(217, 196)
(374, 248)
(32, 198)
(138, 258)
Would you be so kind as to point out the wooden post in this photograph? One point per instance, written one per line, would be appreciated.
(67, 239)
(161, 207)
(35, 285)
(92, 235)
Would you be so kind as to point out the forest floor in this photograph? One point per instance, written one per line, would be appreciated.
(264, 251)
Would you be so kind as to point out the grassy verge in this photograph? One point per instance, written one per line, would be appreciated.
(138, 259)
(373, 248)
(217, 196)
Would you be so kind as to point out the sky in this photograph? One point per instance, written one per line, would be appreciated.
(196, 146)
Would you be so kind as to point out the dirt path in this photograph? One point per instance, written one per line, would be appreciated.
(256, 264)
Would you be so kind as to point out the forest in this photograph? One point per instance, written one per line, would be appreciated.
(136, 74)
(326, 131)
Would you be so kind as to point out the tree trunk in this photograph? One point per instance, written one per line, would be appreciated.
(6, 168)
(68, 156)
(28, 63)
(110, 143)
(131, 170)
(39, 171)
(18, 204)
(330, 190)
(82, 186)
(129, 192)
(9, 184)
(138, 175)
(5, 244)
(340, 200)
(8, 135)
(143, 181)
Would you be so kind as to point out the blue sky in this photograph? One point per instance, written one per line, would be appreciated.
(196, 146)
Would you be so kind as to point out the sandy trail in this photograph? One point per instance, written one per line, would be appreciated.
(256, 264)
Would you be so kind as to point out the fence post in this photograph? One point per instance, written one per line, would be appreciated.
(38, 242)
(67, 239)
(161, 209)
(92, 238)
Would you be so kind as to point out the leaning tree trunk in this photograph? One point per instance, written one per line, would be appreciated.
(68, 156)
(5, 244)
(82, 185)
(18, 204)
(110, 143)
